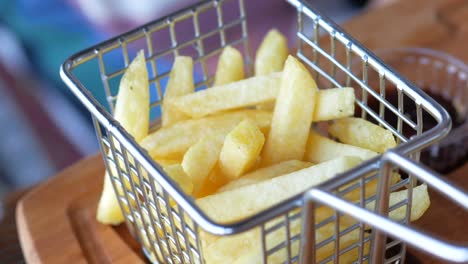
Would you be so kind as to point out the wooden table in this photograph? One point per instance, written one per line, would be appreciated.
(436, 24)
(440, 25)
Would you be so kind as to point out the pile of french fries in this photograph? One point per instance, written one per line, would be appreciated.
(246, 144)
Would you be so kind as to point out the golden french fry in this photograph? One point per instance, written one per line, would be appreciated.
(166, 162)
(324, 212)
(292, 116)
(246, 247)
(330, 103)
(173, 141)
(334, 103)
(420, 203)
(362, 133)
(108, 211)
(235, 95)
(215, 180)
(266, 174)
(371, 187)
(251, 199)
(132, 105)
(132, 112)
(230, 67)
(180, 83)
(177, 173)
(353, 255)
(240, 202)
(270, 58)
(320, 149)
(241, 149)
(272, 53)
(199, 160)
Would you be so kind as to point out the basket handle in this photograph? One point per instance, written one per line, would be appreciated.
(383, 225)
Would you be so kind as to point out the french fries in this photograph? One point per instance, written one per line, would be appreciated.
(248, 92)
(362, 133)
(250, 199)
(371, 187)
(180, 83)
(266, 173)
(292, 116)
(215, 180)
(320, 148)
(132, 112)
(420, 204)
(241, 149)
(109, 211)
(199, 160)
(230, 67)
(272, 53)
(132, 105)
(270, 58)
(173, 141)
(166, 162)
(236, 160)
(334, 104)
(245, 247)
(177, 173)
(330, 103)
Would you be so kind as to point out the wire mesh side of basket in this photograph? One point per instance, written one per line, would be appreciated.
(155, 210)
(169, 226)
(373, 221)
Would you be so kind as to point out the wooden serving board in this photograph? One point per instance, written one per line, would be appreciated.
(56, 221)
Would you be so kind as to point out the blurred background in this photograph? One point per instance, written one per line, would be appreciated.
(43, 128)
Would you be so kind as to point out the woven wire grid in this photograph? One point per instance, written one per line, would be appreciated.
(337, 237)
(162, 227)
(338, 62)
(167, 39)
(387, 214)
(169, 233)
(350, 239)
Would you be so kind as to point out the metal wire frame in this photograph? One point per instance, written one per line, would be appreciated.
(347, 190)
(176, 46)
(383, 225)
(370, 64)
(344, 190)
(148, 210)
(171, 233)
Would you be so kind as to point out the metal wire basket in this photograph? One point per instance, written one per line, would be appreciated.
(168, 223)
